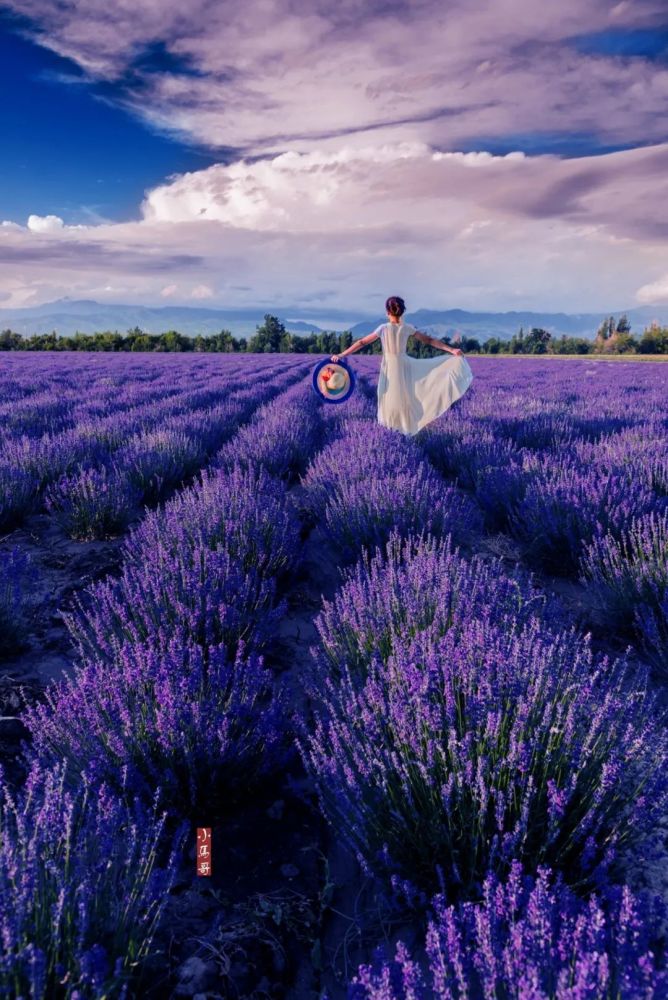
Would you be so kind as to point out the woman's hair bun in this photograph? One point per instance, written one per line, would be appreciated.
(395, 306)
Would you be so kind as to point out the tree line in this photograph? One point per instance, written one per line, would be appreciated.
(272, 337)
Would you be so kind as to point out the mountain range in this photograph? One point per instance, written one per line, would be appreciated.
(67, 316)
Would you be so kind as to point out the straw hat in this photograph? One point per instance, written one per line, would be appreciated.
(336, 380)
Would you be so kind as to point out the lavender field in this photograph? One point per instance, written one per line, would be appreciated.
(416, 687)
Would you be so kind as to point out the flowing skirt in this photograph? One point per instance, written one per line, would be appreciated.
(414, 391)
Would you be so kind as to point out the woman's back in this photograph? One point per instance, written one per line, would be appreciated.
(394, 337)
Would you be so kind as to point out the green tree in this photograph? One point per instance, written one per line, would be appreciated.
(623, 325)
(606, 329)
(172, 340)
(517, 342)
(654, 340)
(345, 340)
(10, 341)
(141, 343)
(225, 342)
(536, 342)
(267, 337)
(623, 343)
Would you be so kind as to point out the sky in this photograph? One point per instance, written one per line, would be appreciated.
(481, 155)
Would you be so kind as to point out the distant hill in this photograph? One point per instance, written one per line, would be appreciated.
(504, 324)
(66, 316)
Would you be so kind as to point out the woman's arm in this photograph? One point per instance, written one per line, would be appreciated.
(369, 339)
(436, 343)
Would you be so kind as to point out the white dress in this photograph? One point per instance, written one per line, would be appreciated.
(414, 391)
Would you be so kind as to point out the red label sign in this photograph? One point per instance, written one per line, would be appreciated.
(203, 850)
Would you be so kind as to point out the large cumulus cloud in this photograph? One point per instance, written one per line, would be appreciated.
(356, 143)
(471, 229)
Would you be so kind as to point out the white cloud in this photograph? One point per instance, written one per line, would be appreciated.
(291, 190)
(534, 232)
(654, 292)
(424, 71)
(415, 187)
(481, 158)
(201, 292)
(45, 223)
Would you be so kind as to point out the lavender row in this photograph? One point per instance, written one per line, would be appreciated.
(54, 403)
(578, 474)
(172, 684)
(370, 481)
(462, 731)
(179, 713)
(627, 576)
(452, 736)
(139, 454)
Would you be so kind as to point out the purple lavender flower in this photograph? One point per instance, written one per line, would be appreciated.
(464, 750)
(84, 877)
(628, 577)
(192, 721)
(207, 565)
(418, 584)
(568, 503)
(93, 503)
(527, 936)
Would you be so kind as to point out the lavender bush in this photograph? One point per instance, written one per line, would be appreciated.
(527, 937)
(281, 438)
(17, 494)
(46, 458)
(463, 448)
(363, 514)
(417, 584)
(160, 459)
(360, 505)
(651, 620)
(348, 456)
(206, 565)
(567, 504)
(628, 576)
(201, 591)
(93, 503)
(244, 508)
(466, 750)
(201, 727)
(39, 414)
(80, 890)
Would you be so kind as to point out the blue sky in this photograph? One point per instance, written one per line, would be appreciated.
(67, 149)
(512, 156)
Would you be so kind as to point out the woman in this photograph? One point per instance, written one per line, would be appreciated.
(412, 391)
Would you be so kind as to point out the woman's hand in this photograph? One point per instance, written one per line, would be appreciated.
(334, 357)
(456, 350)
